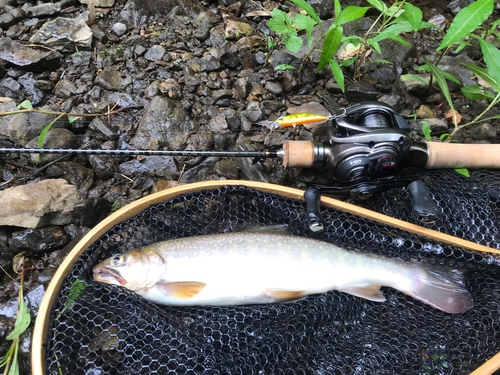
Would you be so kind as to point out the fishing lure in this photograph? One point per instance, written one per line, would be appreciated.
(299, 119)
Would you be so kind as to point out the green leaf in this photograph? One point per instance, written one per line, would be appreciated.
(348, 61)
(23, 318)
(41, 138)
(330, 46)
(442, 84)
(463, 171)
(412, 77)
(337, 73)
(73, 119)
(284, 67)
(491, 56)
(397, 38)
(4, 360)
(466, 21)
(376, 47)
(309, 9)
(280, 21)
(292, 42)
(423, 67)
(338, 10)
(484, 74)
(394, 30)
(394, 10)
(476, 92)
(351, 38)
(379, 5)
(427, 130)
(14, 367)
(461, 45)
(383, 61)
(307, 23)
(351, 13)
(443, 135)
(25, 105)
(414, 16)
(450, 77)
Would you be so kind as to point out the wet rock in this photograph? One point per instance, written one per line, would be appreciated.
(26, 126)
(247, 58)
(205, 20)
(126, 100)
(452, 65)
(395, 101)
(457, 5)
(384, 73)
(150, 164)
(33, 241)
(109, 79)
(7, 254)
(240, 88)
(7, 20)
(54, 34)
(163, 118)
(43, 10)
(27, 57)
(274, 139)
(10, 88)
(209, 63)
(361, 91)
(164, 185)
(425, 112)
(201, 34)
(235, 29)
(28, 82)
(119, 28)
(229, 59)
(439, 20)
(103, 128)
(49, 202)
(201, 172)
(76, 174)
(437, 126)
(252, 172)
(65, 89)
(394, 52)
(333, 87)
(221, 94)
(102, 166)
(484, 132)
(155, 53)
(171, 88)
(218, 123)
(416, 86)
(200, 141)
(152, 90)
(55, 138)
(290, 81)
(226, 168)
(92, 211)
(100, 3)
(273, 87)
(253, 112)
(34, 297)
(217, 37)
(4, 120)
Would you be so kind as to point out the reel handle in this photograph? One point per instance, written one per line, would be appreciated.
(448, 155)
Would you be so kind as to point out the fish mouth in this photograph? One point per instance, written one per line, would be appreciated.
(106, 275)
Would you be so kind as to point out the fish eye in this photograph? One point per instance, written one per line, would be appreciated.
(117, 260)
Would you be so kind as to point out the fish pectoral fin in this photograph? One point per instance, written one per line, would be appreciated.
(182, 289)
(284, 294)
(370, 292)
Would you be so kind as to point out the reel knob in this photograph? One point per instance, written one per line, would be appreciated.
(385, 166)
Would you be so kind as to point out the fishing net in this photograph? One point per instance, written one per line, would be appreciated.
(102, 329)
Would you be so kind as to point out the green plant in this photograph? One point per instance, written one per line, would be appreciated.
(400, 17)
(118, 203)
(23, 321)
(466, 21)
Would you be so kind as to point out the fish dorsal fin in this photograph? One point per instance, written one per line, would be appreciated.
(283, 294)
(282, 229)
(370, 292)
(182, 289)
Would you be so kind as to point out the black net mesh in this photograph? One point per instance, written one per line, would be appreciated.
(102, 329)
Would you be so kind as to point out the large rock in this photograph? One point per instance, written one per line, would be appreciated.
(150, 164)
(163, 118)
(49, 202)
(25, 126)
(27, 57)
(65, 34)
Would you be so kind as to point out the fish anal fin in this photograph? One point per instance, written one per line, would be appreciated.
(283, 294)
(370, 292)
(182, 289)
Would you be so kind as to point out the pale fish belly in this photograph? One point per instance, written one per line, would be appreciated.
(246, 268)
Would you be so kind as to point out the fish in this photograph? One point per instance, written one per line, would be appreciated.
(299, 119)
(272, 266)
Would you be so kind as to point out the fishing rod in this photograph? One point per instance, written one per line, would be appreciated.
(368, 146)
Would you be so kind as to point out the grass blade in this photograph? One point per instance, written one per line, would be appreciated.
(330, 45)
(443, 85)
(466, 21)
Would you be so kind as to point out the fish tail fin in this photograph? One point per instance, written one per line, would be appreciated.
(441, 288)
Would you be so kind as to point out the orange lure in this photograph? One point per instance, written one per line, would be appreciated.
(299, 119)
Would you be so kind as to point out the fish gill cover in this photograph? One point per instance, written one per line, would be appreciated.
(102, 329)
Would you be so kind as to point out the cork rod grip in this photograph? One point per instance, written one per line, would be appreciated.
(298, 154)
(448, 155)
